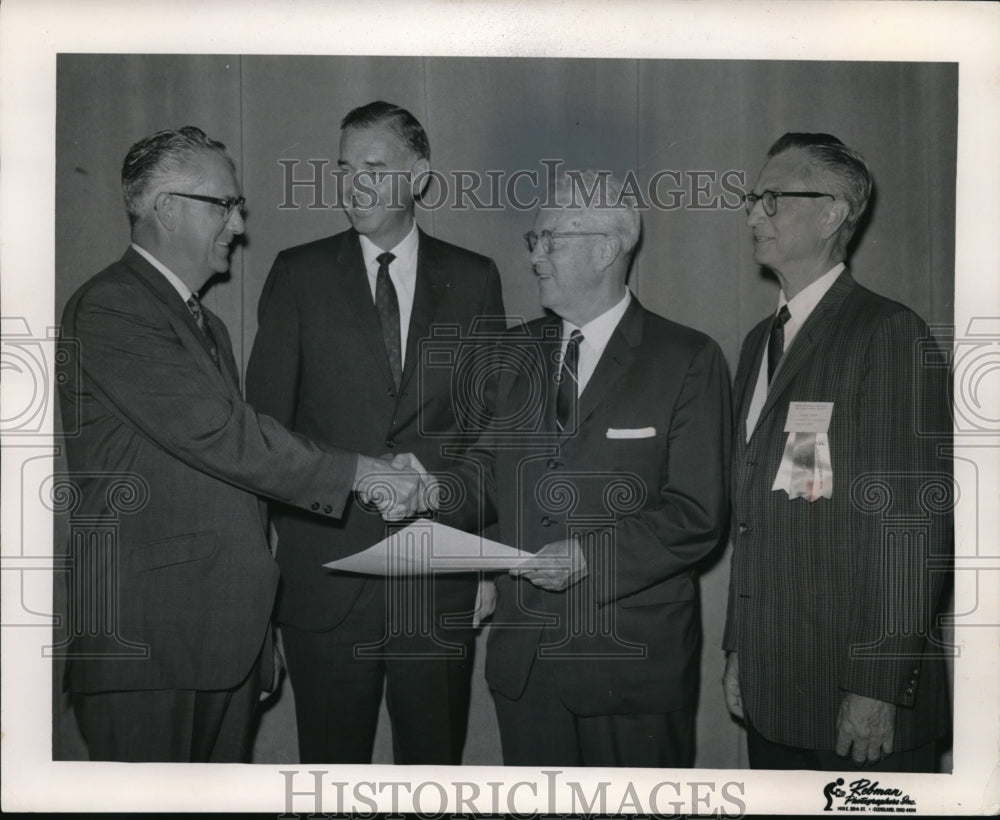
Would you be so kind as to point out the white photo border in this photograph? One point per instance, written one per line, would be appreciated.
(33, 32)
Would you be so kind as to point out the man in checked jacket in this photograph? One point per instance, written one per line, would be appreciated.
(841, 501)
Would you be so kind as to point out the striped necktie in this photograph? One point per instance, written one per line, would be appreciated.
(776, 342)
(194, 305)
(566, 397)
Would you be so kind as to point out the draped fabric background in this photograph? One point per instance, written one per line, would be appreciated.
(699, 127)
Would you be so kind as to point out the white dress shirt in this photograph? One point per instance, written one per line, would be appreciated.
(799, 308)
(183, 290)
(596, 334)
(402, 273)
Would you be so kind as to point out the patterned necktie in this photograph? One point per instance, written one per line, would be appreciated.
(387, 304)
(203, 325)
(776, 342)
(566, 397)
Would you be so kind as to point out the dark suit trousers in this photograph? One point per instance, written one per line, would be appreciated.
(171, 725)
(766, 754)
(387, 638)
(538, 730)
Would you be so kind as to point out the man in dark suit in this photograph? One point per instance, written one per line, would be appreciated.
(612, 467)
(165, 439)
(338, 358)
(840, 499)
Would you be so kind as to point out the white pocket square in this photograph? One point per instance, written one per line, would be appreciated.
(631, 432)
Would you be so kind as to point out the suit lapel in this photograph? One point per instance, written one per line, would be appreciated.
(164, 292)
(183, 321)
(808, 340)
(747, 380)
(551, 339)
(432, 281)
(357, 293)
(614, 362)
(227, 360)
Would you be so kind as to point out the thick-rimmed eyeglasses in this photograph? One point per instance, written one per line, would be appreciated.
(769, 199)
(546, 238)
(229, 204)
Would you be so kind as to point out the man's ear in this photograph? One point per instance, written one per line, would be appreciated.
(165, 209)
(420, 177)
(608, 251)
(836, 216)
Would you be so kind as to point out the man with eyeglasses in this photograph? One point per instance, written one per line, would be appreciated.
(608, 458)
(339, 357)
(171, 618)
(833, 657)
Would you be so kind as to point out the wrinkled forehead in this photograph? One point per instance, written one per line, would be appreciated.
(563, 219)
(788, 171)
(213, 172)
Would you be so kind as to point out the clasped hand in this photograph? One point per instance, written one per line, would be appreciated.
(398, 486)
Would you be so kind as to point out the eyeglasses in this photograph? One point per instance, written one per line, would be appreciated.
(547, 236)
(769, 199)
(229, 204)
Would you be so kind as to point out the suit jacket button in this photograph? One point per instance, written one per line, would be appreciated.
(390, 443)
(552, 463)
(744, 529)
(314, 505)
(909, 693)
(328, 509)
(546, 521)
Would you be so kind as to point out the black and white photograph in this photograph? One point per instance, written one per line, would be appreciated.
(442, 408)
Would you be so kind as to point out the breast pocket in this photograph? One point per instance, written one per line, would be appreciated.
(168, 552)
(641, 456)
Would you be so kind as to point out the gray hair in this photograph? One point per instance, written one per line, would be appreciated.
(600, 195)
(161, 158)
(846, 168)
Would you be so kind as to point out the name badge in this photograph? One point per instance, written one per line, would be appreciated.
(806, 470)
(809, 417)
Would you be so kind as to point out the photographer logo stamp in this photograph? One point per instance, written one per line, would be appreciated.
(864, 795)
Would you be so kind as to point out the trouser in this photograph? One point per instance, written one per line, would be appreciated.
(171, 725)
(537, 729)
(338, 678)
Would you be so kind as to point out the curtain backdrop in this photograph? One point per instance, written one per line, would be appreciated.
(698, 129)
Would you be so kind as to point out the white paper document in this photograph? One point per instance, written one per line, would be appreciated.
(425, 547)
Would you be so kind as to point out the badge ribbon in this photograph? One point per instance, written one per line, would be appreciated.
(805, 470)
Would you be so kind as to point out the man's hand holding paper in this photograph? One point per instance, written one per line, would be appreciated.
(555, 567)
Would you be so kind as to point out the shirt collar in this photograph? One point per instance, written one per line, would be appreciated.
(805, 301)
(597, 332)
(406, 248)
(183, 290)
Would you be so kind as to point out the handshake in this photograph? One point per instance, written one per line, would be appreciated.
(399, 486)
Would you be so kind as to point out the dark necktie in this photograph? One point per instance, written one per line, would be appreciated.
(387, 304)
(776, 342)
(203, 325)
(566, 397)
